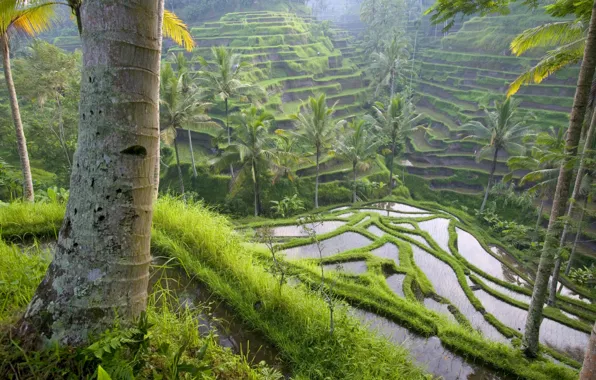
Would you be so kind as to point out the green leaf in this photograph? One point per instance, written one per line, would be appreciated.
(102, 374)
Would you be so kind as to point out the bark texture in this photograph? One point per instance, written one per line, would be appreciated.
(157, 170)
(18, 124)
(180, 176)
(574, 196)
(490, 180)
(317, 178)
(393, 143)
(589, 368)
(192, 155)
(539, 294)
(101, 265)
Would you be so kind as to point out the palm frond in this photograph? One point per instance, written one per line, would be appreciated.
(177, 30)
(32, 20)
(548, 35)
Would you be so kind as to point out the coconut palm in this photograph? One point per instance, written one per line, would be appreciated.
(389, 66)
(225, 79)
(28, 20)
(501, 132)
(252, 148)
(182, 106)
(393, 122)
(316, 129)
(288, 156)
(358, 146)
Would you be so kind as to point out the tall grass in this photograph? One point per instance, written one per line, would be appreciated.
(22, 221)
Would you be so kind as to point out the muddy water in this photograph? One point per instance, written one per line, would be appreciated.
(472, 251)
(351, 267)
(332, 246)
(393, 214)
(320, 228)
(427, 353)
(396, 283)
(445, 282)
(215, 315)
(375, 230)
(552, 334)
(397, 207)
(438, 230)
(439, 308)
(387, 251)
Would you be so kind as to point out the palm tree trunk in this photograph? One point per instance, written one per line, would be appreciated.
(576, 189)
(157, 168)
(392, 83)
(192, 155)
(490, 180)
(101, 265)
(256, 189)
(577, 234)
(539, 219)
(229, 137)
(584, 82)
(180, 176)
(28, 194)
(588, 371)
(354, 183)
(393, 143)
(317, 179)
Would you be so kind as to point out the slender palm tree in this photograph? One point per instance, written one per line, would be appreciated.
(288, 156)
(252, 148)
(394, 122)
(104, 243)
(182, 107)
(358, 146)
(390, 65)
(576, 121)
(29, 20)
(225, 79)
(316, 129)
(501, 132)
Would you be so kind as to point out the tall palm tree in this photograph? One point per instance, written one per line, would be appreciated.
(391, 65)
(576, 120)
(182, 107)
(589, 367)
(29, 20)
(358, 146)
(394, 122)
(288, 156)
(501, 132)
(104, 243)
(252, 148)
(225, 79)
(315, 127)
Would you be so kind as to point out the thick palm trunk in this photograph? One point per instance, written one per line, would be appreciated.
(354, 183)
(18, 124)
(584, 82)
(577, 235)
(317, 179)
(157, 168)
(588, 371)
(393, 142)
(490, 180)
(180, 176)
(576, 189)
(192, 155)
(101, 265)
(229, 137)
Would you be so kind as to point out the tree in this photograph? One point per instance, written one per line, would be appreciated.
(588, 371)
(389, 66)
(394, 123)
(586, 74)
(226, 80)
(101, 265)
(29, 20)
(316, 128)
(501, 132)
(358, 146)
(252, 147)
(182, 107)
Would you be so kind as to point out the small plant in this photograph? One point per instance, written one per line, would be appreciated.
(584, 276)
(279, 267)
(53, 195)
(288, 206)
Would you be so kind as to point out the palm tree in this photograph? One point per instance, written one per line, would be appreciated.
(358, 146)
(390, 65)
(316, 128)
(225, 80)
(589, 366)
(182, 107)
(29, 20)
(502, 132)
(288, 156)
(104, 243)
(543, 163)
(393, 123)
(252, 147)
(580, 102)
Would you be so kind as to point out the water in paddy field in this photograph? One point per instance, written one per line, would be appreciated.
(438, 229)
(407, 226)
(375, 230)
(439, 308)
(400, 207)
(332, 246)
(350, 267)
(393, 214)
(387, 251)
(298, 231)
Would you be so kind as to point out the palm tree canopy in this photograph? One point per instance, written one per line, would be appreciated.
(396, 120)
(359, 144)
(30, 20)
(391, 61)
(502, 130)
(315, 125)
